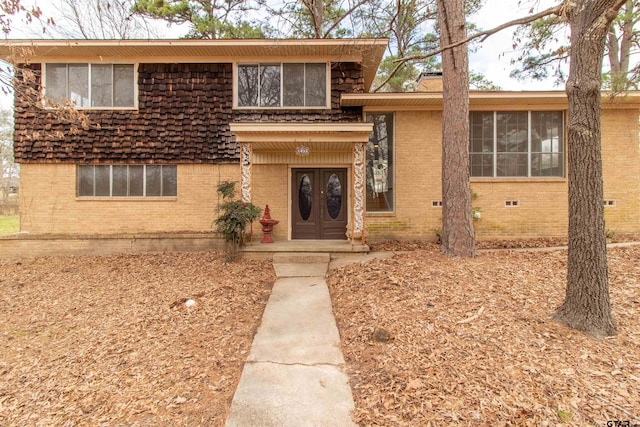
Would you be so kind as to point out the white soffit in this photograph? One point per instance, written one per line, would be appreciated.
(479, 99)
(279, 136)
(367, 51)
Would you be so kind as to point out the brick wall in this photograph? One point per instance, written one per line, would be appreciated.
(541, 211)
(270, 186)
(417, 180)
(429, 83)
(621, 169)
(48, 203)
(543, 203)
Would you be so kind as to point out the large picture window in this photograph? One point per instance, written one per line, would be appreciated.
(380, 167)
(91, 85)
(516, 144)
(127, 181)
(300, 85)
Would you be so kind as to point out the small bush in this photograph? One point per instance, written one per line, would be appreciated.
(233, 218)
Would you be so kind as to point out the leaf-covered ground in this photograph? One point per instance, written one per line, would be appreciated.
(428, 340)
(107, 341)
(431, 341)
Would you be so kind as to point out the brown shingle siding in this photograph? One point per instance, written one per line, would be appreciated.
(168, 126)
(183, 116)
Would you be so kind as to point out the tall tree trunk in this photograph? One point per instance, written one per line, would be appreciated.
(3, 183)
(316, 10)
(458, 238)
(587, 305)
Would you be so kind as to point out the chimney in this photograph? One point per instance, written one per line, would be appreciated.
(430, 81)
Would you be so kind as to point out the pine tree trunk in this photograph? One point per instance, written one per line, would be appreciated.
(458, 238)
(3, 183)
(587, 305)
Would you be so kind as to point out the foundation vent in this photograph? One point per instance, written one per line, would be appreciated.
(512, 203)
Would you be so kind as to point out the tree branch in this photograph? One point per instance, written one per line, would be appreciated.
(344, 15)
(311, 5)
(483, 35)
(390, 76)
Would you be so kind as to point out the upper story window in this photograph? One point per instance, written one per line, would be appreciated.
(516, 144)
(297, 85)
(91, 85)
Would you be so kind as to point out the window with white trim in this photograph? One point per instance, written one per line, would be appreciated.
(127, 181)
(516, 144)
(297, 85)
(91, 85)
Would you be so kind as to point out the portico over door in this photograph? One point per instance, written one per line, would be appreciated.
(319, 203)
(323, 144)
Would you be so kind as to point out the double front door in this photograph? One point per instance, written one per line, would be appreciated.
(319, 203)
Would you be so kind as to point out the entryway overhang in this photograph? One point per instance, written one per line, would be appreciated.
(288, 136)
(297, 143)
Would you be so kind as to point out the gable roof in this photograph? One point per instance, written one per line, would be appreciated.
(367, 51)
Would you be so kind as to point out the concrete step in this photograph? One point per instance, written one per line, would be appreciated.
(258, 250)
(301, 258)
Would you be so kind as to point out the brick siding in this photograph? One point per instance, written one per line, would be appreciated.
(48, 203)
(543, 203)
(270, 186)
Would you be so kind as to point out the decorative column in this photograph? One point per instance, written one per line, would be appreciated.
(359, 180)
(245, 164)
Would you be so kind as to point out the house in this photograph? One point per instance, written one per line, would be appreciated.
(294, 123)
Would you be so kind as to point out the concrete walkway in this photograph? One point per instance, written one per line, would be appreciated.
(294, 375)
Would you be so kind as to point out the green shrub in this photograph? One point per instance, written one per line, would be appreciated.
(233, 218)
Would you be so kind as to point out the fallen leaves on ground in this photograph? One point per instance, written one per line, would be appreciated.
(432, 341)
(111, 341)
(541, 242)
(428, 340)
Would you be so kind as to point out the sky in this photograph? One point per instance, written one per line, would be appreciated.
(492, 57)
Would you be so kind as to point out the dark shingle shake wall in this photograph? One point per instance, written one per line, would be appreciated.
(183, 116)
